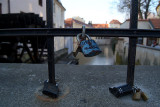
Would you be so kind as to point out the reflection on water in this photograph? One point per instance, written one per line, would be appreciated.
(118, 55)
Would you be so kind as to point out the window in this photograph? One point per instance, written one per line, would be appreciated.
(0, 8)
(40, 2)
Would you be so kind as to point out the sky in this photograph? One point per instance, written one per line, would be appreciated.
(97, 11)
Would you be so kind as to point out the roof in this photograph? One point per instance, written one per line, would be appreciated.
(155, 23)
(114, 22)
(100, 25)
(69, 22)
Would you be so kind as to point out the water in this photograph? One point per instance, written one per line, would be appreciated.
(105, 58)
(118, 55)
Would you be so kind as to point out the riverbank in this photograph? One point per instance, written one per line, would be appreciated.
(81, 86)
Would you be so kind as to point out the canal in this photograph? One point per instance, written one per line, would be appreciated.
(118, 55)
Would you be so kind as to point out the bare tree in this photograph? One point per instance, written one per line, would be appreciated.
(145, 7)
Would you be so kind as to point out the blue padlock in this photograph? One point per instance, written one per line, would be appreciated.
(89, 47)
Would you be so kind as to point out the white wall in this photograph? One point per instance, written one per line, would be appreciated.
(141, 25)
(69, 44)
(146, 56)
(103, 41)
(32, 6)
(58, 43)
(58, 20)
(4, 6)
(125, 25)
(26, 6)
(114, 25)
(58, 17)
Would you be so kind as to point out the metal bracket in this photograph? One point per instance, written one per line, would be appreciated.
(121, 90)
(50, 89)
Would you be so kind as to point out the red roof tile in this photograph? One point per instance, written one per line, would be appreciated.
(69, 22)
(100, 25)
(155, 23)
(114, 22)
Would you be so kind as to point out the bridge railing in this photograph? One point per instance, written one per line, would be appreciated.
(51, 32)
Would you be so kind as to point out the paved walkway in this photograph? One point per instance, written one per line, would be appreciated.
(80, 86)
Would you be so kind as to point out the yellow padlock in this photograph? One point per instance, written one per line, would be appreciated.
(144, 96)
(137, 95)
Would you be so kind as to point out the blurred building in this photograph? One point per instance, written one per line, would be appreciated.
(76, 22)
(100, 25)
(114, 24)
(37, 7)
(152, 22)
(144, 24)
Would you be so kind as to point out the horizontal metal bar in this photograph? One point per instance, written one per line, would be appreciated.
(73, 32)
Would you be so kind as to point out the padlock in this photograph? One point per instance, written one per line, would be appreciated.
(137, 95)
(121, 90)
(89, 47)
(144, 96)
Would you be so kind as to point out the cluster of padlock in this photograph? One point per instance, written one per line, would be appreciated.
(86, 45)
(138, 94)
(128, 89)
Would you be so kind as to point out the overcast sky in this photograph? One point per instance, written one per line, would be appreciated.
(97, 11)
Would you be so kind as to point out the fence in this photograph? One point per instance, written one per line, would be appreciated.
(51, 32)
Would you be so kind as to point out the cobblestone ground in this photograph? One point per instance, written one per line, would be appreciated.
(80, 86)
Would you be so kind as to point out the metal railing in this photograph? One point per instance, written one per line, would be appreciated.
(51, 32)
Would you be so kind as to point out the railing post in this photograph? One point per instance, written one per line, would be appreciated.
(132, 42)
(127, 88)
(50, 42)
(50, 87)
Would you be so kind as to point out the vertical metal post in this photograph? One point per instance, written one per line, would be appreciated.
(132, 42)
(9, 5)
(50, 87)
(50, 42)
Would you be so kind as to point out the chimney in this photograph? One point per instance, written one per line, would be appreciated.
(90, 23)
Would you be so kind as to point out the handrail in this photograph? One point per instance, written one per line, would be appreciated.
(74, 31)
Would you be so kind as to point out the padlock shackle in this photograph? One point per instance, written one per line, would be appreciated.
(80, 35)
(83, 30)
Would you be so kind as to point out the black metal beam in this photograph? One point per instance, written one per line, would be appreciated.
(50, 87)
(50, 43)
(132, 43)
(73, 32)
